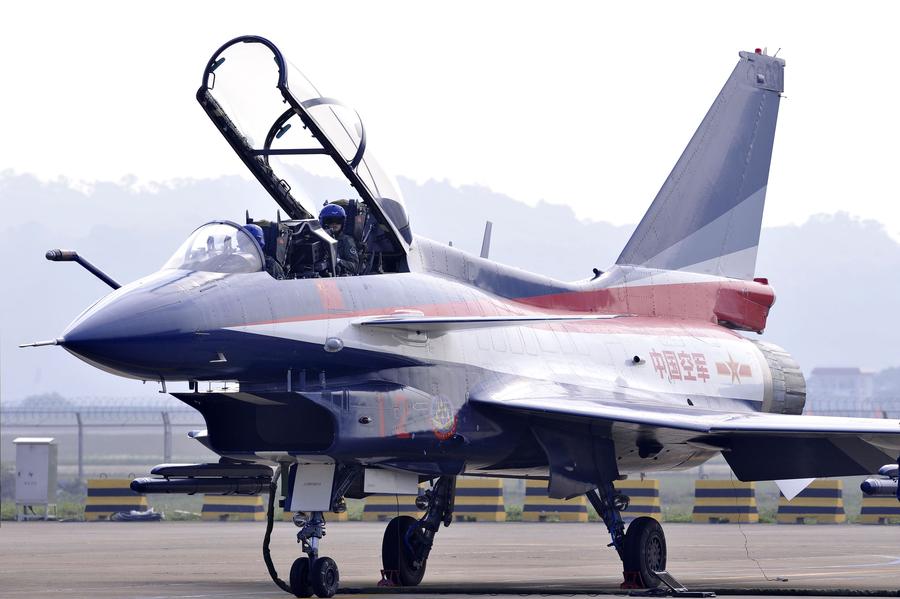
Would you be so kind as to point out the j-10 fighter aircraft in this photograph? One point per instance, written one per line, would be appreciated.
(419, 362)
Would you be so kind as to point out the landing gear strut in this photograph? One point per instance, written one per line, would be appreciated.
(313, 574)
(642, 549)
(407, 541)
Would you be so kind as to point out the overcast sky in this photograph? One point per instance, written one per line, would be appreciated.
(585, 104)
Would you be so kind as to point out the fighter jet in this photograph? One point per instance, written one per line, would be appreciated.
(357, 358)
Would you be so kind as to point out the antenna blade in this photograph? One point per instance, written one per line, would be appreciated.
(486, 240)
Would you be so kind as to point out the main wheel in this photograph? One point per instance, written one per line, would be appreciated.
(645, 550)
(300, 578)
(396, 556)
(325, 577)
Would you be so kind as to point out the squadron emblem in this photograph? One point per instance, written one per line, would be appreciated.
(443, 418)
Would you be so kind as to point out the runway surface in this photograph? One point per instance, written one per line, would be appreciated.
(206, 559)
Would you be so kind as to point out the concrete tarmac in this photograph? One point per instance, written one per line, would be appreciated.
(207, 559)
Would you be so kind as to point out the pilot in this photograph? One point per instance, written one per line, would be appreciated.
(333, 218)
(272, 264)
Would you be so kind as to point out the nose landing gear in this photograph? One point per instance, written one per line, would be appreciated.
(310, 574)
(407, 542)
(313, 574)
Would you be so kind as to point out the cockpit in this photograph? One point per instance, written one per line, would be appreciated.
(307, 151)
(218, 247)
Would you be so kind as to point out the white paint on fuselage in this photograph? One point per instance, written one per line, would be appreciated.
(672, 368)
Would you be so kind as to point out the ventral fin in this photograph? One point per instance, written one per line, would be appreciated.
(792, 487)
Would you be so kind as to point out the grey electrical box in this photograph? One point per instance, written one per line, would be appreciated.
(35, 474)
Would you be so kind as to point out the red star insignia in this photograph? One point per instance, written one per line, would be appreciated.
(735, 369)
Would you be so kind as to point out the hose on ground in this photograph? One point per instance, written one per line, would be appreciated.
(270, 521)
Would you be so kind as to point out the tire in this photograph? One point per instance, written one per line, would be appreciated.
(325, 577)
(645, 550)
(299, 578)
(395, 554)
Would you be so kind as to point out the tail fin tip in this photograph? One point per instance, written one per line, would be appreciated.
(708, 214)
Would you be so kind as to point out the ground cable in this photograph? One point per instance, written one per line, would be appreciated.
(270, 522)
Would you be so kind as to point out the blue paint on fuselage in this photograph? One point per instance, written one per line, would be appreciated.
(179, 325)
(175, 326)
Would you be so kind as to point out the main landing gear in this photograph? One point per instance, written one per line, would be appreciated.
(407, 541)
(642, 549)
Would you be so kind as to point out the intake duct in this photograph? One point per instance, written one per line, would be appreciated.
(785, 391)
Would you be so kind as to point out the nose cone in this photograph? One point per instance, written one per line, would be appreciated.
(142, 330)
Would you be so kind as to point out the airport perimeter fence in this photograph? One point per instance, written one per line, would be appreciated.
(105, 435)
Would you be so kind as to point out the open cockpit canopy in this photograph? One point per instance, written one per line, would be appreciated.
(289, 136)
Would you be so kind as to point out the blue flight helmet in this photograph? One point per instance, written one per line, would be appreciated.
(330, 214)
(257, 233)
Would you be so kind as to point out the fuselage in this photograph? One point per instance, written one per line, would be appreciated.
(401, 397)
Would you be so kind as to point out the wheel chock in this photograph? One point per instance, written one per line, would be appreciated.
(632, 581)
(673, 588)
(676, 589)
(389, 578)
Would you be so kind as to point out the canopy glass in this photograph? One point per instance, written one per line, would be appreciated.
(292, 138)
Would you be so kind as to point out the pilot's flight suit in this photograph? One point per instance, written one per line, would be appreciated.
(274, 267)
(347, 255)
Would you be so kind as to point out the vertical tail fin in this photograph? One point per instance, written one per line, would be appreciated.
(708, 214)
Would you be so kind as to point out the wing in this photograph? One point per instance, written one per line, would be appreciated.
(757, 446)
(438, 324)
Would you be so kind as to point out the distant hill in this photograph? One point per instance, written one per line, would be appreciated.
(834, 275)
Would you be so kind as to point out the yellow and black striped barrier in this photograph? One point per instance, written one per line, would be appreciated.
(725, 501)
(540, 508)
(644, 495)
(879, 510)
(381, 508)
(822, 502)
(106, 496)
(479, 500)
(233, 508)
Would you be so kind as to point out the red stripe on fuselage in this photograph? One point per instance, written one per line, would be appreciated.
(330, 294)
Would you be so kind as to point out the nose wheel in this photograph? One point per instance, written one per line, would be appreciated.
(313, 575)
(325, 577)
(322, 581)
(299, 579)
